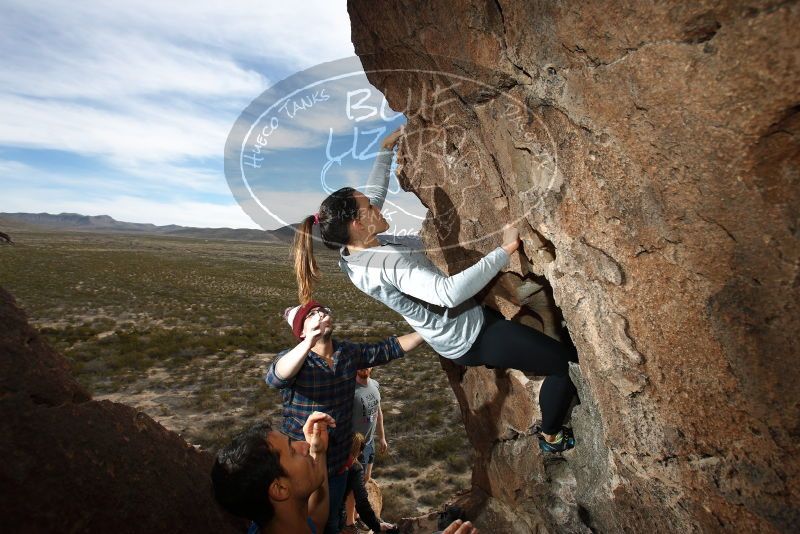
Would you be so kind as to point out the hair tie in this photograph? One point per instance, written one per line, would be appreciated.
(316, 218)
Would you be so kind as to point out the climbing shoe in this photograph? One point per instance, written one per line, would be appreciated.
(564, 441)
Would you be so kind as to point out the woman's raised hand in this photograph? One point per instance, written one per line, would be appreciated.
(391, 139)
(510, 238)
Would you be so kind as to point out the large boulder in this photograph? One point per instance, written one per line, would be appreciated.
(649, 154)
(76, 465)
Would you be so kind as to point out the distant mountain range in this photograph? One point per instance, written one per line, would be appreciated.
(73, 222)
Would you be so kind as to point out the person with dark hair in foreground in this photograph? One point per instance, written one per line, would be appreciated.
(278, 483)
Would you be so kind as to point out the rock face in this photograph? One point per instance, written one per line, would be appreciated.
(76, 465)
(649, 154)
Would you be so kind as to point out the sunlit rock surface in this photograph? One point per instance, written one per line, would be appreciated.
(649, 154)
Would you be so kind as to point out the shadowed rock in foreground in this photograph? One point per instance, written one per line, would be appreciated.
(649, 153)
(71, 464)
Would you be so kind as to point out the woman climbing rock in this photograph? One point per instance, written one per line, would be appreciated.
(439, 307)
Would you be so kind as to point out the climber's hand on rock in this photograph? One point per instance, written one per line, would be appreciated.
(510, 239)
(460, 527)
(391, 139)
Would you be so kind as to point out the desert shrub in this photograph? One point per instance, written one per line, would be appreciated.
(397, 502)
(206, 397)
(430, 481)
(433, 420)
(430, 499)
(440, 447)
(415, 451)
(457, 463)
(398, 472)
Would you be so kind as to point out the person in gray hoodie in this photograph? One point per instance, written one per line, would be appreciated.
(440, 308)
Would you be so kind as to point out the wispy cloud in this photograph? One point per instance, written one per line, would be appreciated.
(117, 49)
(115, 66)
(146, 93)
(130, 132)
(150, 81)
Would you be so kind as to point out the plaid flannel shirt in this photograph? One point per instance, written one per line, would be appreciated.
(317, 387)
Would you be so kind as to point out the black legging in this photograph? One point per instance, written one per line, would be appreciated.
(512, 345)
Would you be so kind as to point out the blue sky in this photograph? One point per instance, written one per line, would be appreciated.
(124, 108)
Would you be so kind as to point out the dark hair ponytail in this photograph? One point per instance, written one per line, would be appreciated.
(305, 266)
(335, 214)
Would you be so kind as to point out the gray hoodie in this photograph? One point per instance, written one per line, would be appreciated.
(439, 307)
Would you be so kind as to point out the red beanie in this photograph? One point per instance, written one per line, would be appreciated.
(296, 316)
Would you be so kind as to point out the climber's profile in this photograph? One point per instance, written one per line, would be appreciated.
(440, 308)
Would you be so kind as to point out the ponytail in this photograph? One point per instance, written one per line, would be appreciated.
(333, 218)
(305, 266)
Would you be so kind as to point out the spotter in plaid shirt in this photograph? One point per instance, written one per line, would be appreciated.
(319, 374)
(317, 387)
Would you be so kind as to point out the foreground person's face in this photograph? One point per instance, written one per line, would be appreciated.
(305, 474)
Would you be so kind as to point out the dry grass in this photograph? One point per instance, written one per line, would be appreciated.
(183, 329)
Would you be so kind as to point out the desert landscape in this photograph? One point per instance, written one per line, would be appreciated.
(183, 330)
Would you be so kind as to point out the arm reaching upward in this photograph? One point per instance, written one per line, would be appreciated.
(316, 434)
(289, 364)
(378, 181)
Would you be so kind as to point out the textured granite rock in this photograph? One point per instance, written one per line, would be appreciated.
(76, 465)
(649, 154)
(375, 496)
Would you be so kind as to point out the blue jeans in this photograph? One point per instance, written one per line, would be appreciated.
(336, 487)
(367, 456)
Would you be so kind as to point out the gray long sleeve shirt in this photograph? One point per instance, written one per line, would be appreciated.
(439, 307)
